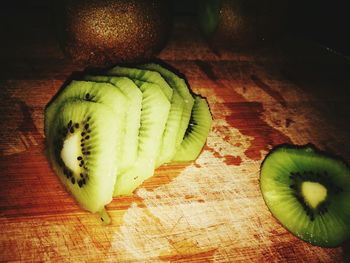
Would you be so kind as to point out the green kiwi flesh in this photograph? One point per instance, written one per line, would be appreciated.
(104, 93)
(81, 149)
(181, 87)
(308, 191)
(196, 133)
(155, 110)
(131, 125)
(169, 140)
(143, 75)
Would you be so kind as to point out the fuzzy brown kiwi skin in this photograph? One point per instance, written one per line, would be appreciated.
(105, 32)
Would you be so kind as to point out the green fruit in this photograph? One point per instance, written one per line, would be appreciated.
(168, 145)
(81, 147)
(155, 110)
(105, 32)
(308, 192)
(196, 133)
(143, 75)
(181, 87)
(241, 23)
(129, 144)
(95, 92)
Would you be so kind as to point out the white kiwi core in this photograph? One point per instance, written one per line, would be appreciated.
(314, 193)
(70, 151)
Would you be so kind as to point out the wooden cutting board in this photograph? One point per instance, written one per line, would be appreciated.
(210, 210)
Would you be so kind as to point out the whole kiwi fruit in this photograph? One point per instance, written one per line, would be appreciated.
(106, 32)
(241, 23)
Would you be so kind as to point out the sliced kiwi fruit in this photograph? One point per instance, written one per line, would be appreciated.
(308, 191)
(155, 110)
(168, 146)
(196, 133)
(129, 144)
(95, 92)
(143, 75)
(81, 149)
(181, 87)
(106, 134)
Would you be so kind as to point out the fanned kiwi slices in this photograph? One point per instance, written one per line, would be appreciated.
(308, 191)
(107, 133)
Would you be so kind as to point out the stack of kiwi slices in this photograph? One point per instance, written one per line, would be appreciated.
(107, 133)
(308, 191)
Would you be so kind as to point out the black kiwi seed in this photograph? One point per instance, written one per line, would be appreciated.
(80, 183)
(76, 125)
(73, 180)
(82, 134)
(82, 145)
(71, 130)
(86, 126)
(87, 137)
(80, 158)
(87, 96)
(82, 140)
(82, 162)
(69, 124)
(81, 175)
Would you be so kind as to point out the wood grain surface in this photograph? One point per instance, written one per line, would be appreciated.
(207, 211)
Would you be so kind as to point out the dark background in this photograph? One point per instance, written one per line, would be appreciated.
(326, 22)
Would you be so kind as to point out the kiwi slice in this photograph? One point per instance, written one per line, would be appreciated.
(129, 143)
(143, 75)
(196, 133)
(155, 109)
(95, 92)
(169, 143)
(81, 146)
(169, 140)
(180, 86)
(308, 191)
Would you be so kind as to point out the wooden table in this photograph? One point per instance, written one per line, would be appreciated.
(207, 211)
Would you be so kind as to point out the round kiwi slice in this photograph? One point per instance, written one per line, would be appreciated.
(143, 75)
(178, 84)
(169, 140)
(129, 143)
(155, 110)
(196, 133)
(81, 150)
(308, 191)
(104, 93)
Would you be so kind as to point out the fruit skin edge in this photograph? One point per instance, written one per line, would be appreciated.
(308, 147)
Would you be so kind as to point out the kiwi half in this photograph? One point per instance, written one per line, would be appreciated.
(131, 125)
(308, 191)
(81, 149)
(169, 139)
(196, 133)
(181, 87)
